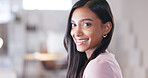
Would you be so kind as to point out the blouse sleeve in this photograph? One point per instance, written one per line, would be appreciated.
(100, 69)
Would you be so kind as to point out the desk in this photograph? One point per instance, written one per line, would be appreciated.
(35, 61)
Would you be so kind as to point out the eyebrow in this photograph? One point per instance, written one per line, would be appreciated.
(86, 20)
(83, 20)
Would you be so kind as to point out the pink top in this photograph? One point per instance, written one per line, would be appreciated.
(103, 66)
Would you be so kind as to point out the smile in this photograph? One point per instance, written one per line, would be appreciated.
(81, 41)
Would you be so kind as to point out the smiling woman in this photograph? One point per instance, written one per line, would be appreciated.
(47, 4)
(84, 32)
(89, 32)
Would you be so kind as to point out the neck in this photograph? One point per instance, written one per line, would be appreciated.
(90, 52)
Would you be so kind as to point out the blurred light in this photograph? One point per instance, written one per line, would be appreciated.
(47, 4)
(1, 42)
(37, 55)
(43, 56)
(5, 11)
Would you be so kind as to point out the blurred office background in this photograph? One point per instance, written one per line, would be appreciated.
(32, 31)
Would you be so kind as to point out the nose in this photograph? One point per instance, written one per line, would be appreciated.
(78, 31)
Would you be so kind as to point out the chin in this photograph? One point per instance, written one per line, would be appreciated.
(81, 50)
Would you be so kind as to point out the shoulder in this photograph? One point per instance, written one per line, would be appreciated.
(98, 68)
(102, 66)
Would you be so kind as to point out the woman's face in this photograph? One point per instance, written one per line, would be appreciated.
(87, 29)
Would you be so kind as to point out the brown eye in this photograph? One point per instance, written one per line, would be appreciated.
(73, 25)
(87, 24)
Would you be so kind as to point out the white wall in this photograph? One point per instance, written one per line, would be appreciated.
(132, 22)
(136, 11)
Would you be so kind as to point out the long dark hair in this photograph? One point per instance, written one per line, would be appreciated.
(77, 61)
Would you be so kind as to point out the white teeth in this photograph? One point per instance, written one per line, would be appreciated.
(81, 40)
(84, 42)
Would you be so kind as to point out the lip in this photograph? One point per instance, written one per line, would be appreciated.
(81, 41)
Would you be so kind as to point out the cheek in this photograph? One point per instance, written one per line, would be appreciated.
(95, 35)
(89, 32)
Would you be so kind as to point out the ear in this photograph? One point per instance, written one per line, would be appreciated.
(107, 27)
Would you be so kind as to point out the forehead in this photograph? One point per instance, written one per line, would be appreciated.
(82, 13)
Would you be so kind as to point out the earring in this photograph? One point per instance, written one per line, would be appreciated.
(104, 36)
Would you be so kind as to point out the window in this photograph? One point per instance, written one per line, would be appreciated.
(5, 11)
(47, 4)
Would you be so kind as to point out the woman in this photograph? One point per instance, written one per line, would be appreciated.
(89, 31)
